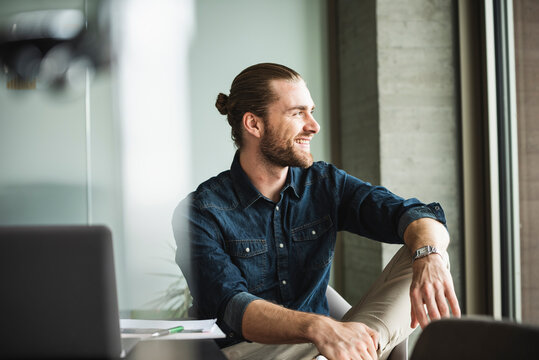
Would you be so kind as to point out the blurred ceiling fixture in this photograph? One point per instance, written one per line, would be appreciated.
(53, 46)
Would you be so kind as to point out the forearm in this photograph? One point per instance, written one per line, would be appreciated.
(268, 323)
(426, 231)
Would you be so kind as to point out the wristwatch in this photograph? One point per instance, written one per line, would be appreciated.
(425, 251)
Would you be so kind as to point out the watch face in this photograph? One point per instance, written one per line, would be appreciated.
(424, 251)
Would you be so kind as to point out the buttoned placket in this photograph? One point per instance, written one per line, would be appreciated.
(281, 250)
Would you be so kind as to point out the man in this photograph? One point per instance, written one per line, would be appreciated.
(256, 243)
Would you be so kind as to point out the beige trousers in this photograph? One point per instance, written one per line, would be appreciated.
(385, 308)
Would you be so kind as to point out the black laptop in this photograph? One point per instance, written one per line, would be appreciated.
(58, 293)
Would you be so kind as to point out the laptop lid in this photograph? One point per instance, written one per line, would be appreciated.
(58, 296)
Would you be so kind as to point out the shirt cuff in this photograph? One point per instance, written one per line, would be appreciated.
(432, 210)
(235, 308)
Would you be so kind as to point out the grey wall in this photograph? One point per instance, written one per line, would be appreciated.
(527, 68)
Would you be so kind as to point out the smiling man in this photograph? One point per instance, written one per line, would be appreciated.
(256, 243)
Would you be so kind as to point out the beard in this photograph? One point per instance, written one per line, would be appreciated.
(283, 152)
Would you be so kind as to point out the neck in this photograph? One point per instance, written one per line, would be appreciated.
(268, 178)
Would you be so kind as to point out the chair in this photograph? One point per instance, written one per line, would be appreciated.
(477, 338)
(338, 306)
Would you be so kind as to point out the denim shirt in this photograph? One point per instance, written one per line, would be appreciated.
(236, 246)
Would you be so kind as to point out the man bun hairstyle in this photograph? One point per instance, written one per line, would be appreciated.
(221, 102)
(251, 92)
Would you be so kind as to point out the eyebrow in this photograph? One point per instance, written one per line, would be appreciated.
(300, 107)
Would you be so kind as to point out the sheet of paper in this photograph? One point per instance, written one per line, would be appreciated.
(136, 328)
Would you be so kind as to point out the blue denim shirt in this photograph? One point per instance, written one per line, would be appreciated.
(235, 245)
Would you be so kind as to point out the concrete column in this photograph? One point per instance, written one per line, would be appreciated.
(399, 121)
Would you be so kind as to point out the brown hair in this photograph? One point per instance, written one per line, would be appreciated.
(251, 92)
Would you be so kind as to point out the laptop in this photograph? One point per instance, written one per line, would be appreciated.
(58, 293)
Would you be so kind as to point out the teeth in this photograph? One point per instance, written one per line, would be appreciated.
(301, 141)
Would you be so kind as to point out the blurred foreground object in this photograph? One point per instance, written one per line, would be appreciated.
(477, 338)
(54, 47)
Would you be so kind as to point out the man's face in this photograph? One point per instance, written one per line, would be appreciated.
(289, 125)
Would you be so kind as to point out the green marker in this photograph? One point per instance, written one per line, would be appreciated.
(173, 330)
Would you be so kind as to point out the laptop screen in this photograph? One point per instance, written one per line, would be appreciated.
(58, 296)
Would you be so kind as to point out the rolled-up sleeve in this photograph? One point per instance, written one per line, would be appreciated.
(235, 309)
(217, 286)
(432, 210)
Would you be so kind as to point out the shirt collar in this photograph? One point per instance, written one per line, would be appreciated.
(292, 180)
(247, 192)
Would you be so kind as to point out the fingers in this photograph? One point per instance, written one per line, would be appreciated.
(374, 336)
(443, 308)
(375, 342)
(371, 346)
(350, 340)
(432, 304)
(453, 302)
(372, 353)
(417, 308)
(414, 322)
(361, 350)
(368, 353)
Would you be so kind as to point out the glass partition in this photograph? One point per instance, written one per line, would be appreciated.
(42, 145)
(83, 137)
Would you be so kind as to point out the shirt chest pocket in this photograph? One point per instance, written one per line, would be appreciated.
(251, 258)
(314, 243)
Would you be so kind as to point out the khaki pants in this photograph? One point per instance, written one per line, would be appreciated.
(385, 308)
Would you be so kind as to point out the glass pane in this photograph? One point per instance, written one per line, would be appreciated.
(42, 145)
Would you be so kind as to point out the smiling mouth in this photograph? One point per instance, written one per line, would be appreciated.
(303, 141)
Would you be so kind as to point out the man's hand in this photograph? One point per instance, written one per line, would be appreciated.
(432, 287)
(345, 340)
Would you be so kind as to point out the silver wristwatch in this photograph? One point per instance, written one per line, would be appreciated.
(425, 251)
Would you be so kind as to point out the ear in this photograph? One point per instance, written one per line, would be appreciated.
(253, 124)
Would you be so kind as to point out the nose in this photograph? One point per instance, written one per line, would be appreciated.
(311, 125)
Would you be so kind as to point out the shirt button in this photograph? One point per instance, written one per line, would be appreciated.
(281, 245)
(247, 249)
(277, 208)
(313, 232)
(284, 282)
